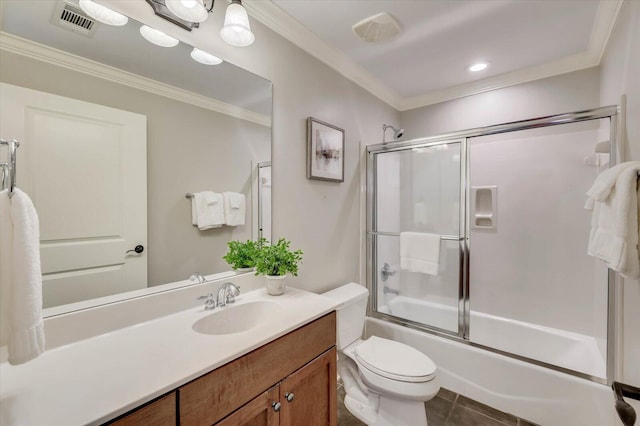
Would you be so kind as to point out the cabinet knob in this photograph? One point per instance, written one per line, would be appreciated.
(276, 406)
(289, 396)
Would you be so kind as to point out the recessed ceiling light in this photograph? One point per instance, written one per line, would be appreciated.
(478, 66)
(157, 37)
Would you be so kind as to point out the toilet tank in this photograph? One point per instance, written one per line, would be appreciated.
(351, 312)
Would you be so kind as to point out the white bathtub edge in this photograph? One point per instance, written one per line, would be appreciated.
(535, 393)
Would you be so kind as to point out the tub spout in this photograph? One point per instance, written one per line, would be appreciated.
(386, 290)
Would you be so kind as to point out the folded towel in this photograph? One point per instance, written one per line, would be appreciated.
(234, 208)
(20, 278)
(420, 252)
(207, 210)
(614, 224)
(606, 180)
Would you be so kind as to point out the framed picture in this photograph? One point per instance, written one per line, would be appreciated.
(325, 151)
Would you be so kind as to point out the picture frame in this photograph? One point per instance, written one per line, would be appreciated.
(325, 151)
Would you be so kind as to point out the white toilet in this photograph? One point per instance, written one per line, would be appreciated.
(386, 382)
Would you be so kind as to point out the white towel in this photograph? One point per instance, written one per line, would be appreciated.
(614, 225)
(207, 210)
(20, 278)
(420, 252)
(234, 208)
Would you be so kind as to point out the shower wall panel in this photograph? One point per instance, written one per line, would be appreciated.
(533, 267)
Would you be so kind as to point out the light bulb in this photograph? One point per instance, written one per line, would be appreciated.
(236, 30)
(103, 14)
(157, 37)
(204, 57)
(188, 10)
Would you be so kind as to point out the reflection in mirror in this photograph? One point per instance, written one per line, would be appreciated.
(115, 131)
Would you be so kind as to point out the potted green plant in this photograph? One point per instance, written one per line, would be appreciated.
(275, 261)
(242, 256)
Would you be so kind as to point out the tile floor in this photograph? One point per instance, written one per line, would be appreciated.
(447, 409)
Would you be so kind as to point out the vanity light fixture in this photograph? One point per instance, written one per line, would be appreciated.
(189, 10)
(204, 57)
(157, 37)
(236, 30)
(478, 66)
(102, 14)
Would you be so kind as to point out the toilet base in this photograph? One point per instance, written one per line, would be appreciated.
(373, 408)
(391, 412)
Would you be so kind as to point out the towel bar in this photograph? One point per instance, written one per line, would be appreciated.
(10, 165)
(397, 234)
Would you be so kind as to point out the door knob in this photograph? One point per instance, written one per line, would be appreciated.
(276, 406)
(138, 249)
(289, 396)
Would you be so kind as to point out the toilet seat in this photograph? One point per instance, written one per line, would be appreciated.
(394, 360)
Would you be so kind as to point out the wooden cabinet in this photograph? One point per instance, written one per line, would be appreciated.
(261, 411)
(290, 381)
(160, 412)
(309, 396)
(214, 396)
(306, 397)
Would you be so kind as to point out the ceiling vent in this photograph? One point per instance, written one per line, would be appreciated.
(71, 17)
(377, 28)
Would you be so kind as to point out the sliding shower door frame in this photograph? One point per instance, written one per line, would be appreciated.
(463, 137)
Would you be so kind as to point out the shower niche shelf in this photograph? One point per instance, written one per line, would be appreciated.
(484, 202)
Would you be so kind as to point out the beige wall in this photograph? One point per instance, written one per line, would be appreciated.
(188, 149)
(621, 75)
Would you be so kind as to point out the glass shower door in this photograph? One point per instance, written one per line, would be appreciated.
(414, 231)
(534, 291)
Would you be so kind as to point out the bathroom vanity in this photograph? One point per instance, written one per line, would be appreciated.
(263, 360)
(290, 381)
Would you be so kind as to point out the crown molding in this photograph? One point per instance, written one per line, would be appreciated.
(33, 50)
(605, 21)
(279, 21)
(568, 64)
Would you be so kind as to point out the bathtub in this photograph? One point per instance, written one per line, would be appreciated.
(536, 393)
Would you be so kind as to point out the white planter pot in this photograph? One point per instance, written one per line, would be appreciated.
(241, 270)
(275, 284)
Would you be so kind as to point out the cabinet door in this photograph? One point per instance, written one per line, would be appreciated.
(260, 411)
(309, 396)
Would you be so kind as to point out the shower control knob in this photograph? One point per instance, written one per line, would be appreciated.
(276, 406)
(289, 396)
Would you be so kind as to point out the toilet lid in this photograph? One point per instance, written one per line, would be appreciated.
(395, 360)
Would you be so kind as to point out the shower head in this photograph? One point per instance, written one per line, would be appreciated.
(397, 132)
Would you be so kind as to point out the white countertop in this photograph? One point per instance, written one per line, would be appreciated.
(97, 379)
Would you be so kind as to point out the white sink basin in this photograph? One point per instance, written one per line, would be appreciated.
(236, 318)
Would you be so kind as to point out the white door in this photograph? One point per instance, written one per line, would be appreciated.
(84, 167)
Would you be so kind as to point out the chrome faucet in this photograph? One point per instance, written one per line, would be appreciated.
(197, 277)
(227, 293)
(209, 303)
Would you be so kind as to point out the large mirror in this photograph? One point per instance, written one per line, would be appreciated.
(115, 132)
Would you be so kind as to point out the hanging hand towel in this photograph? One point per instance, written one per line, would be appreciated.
(614, 225)
(234, 208)
(420, 252)
(20, 278)
(207, 210)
